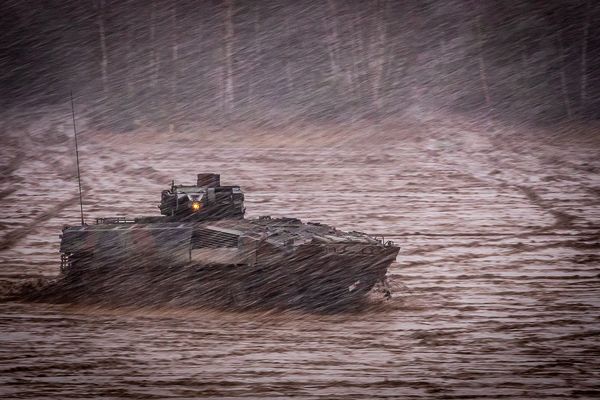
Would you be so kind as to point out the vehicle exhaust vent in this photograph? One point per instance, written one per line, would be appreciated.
(207, 238)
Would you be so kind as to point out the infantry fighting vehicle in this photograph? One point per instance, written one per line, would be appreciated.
(202, 250)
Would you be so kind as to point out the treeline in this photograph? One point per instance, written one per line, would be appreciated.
(172, 62)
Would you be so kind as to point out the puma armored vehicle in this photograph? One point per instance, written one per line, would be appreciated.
(201, 250)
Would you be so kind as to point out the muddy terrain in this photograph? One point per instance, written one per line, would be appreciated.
(496, 288)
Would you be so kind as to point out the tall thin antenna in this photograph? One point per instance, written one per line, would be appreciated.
(77, 157)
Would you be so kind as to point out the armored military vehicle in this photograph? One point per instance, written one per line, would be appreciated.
(202, 250)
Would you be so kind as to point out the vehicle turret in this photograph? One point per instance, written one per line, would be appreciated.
(205, 200)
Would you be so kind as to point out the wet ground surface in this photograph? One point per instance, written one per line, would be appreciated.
(496, 289)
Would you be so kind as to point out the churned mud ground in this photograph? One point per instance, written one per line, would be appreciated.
(496, 289)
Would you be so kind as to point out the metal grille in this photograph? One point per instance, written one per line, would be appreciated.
(206, 238)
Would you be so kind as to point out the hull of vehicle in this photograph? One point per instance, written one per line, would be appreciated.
(241, 263)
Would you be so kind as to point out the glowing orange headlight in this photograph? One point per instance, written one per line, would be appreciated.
(196, 205)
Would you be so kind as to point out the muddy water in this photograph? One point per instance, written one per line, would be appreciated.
(496, 289)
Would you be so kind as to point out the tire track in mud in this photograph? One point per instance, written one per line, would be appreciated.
(480, 243)
(46, 144)
(131, 167)
(13, 237)
(563, 220)
(7, 192)
(498, 237)
(518, 248)
(6, 172)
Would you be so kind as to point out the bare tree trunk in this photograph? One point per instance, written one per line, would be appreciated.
(130, 75)
(563, 77)
(524, 60)
(377, 59)
(443, 61)
(102, 34)
(482, 69)
(221, 86)
(357, 56)
(524, 80)
(256, 52)
(343, 55)
(584, 40)
(288, 71)
(402, 82)
(228, 55)
(332, 39)
(154, 103)
(174, 49)
(174, 57)
(154, 61)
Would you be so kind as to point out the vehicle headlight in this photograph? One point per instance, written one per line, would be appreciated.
(196, 205)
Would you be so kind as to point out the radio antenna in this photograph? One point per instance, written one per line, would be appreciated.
(77, 158)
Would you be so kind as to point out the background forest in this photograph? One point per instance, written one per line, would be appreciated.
(169, 63)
